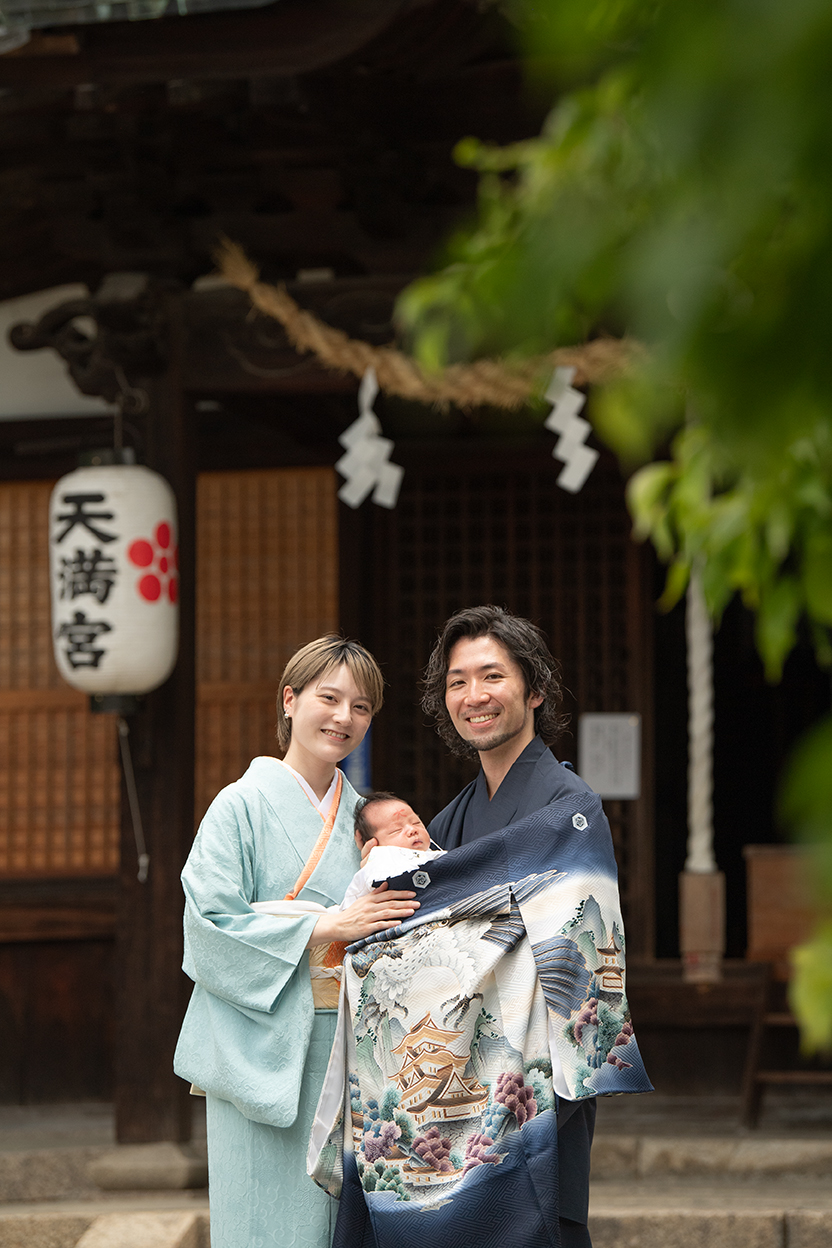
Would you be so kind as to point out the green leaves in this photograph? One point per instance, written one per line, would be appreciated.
(763, 532)
(806, 809)
(810, 990)
(684, 195)
(818, 575)
(806, 802)
(681, 192)
(542, 260)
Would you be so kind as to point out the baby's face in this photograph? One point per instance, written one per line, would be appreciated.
(396, 823)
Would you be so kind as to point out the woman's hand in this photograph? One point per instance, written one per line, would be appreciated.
(365, 850)
(380, 909)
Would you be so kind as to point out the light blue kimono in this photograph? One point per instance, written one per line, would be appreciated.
(251, 1038)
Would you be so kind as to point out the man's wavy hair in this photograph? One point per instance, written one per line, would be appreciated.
(524, 642)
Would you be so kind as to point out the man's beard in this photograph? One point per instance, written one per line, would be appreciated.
(493, 743)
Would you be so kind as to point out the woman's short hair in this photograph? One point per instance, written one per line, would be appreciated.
(525, 644)
(362, 823)
(312, 660)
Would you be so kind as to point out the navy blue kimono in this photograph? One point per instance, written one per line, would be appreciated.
(535, 779)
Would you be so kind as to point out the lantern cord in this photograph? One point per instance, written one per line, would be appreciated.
(133, 798)
(131, 399)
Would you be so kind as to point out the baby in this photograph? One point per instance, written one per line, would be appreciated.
(403, 842)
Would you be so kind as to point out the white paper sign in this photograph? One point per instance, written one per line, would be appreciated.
(609, 754)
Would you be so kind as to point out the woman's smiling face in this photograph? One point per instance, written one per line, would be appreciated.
(330, 716)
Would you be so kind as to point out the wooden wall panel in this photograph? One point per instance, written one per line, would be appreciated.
(59, 778)
(267, 581)
(59, 792)
(56, 1021)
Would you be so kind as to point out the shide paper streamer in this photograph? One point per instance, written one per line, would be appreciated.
(366, 463)
(578, 459)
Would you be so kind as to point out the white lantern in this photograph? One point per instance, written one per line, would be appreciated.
(114, 571)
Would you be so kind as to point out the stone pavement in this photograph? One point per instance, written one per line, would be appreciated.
(668, 1172)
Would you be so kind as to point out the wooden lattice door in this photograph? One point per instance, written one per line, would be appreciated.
(267, 582)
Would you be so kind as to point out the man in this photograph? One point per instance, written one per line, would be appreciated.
(492, 687)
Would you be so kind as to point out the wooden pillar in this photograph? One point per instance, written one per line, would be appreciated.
(151, 1103)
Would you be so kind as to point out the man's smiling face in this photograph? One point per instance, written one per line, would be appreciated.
(486, 696)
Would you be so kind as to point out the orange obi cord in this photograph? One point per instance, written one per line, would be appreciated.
(334, 955)
(320, 845)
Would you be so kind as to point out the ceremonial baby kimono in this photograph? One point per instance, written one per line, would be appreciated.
(252, 1039)
(461, 1028)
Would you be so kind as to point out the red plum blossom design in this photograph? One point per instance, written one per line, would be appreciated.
(161, 559)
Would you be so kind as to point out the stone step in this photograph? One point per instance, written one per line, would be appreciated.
(76, 1173)
(648, 1191)
(715, 1228)
(720, 1157)
(133, 1229)
(752, 1214)
(48, 1173)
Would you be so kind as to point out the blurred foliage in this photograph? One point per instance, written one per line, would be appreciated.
(810, 990)
(806, 805)
(806, 801)
(765, 535)
(681, 191)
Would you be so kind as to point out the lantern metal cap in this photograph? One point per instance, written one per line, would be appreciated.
(105, 456)
(114, 703)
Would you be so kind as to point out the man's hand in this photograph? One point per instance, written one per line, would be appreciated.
(380, 909)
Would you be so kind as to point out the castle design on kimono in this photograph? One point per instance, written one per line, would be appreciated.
(430, 1080)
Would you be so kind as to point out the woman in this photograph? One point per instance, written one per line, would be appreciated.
(253, 1038)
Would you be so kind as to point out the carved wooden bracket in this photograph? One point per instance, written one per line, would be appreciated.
(110, 341)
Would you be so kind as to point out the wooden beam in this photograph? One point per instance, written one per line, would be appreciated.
(286, 38)
(39, 923)
(228, 349)
(151, 1102)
